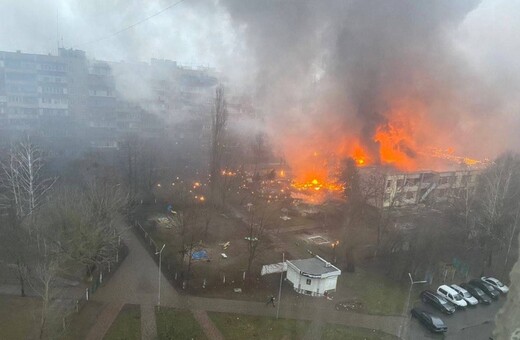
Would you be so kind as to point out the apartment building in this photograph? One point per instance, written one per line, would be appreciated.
(399, 189)
(99, 102)
(33, 94)
(418, 187)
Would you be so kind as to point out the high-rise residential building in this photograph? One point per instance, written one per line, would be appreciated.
(99, 102)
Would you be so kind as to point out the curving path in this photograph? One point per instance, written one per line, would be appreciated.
(136, 282)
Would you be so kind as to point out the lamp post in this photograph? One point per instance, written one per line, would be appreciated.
(160, 260)
(280, 288)
(403, 328)
(334, 245)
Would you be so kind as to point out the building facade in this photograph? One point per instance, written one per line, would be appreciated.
(99, 102)
(405, 189)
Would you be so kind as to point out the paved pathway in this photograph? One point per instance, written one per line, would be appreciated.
(148, 324)
(136, 282)
(207, 325)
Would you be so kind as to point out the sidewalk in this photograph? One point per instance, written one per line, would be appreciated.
(148, 323)
(136, 282)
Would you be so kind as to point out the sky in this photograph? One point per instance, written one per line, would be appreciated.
(199, 31)
(284, 47)
(193, 32)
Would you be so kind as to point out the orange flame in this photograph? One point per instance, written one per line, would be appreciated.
(406, 140)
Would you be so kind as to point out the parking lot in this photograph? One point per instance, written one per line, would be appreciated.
(475, 323)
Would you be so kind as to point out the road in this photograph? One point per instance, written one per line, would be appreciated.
(475, 323)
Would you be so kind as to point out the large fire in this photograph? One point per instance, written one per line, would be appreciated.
(404, 141)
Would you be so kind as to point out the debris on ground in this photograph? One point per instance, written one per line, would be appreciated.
(224, 245)
(350, 305)
(200, 255)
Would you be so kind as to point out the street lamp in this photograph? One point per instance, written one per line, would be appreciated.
(334, 245)
(160, 260)
(280, 288)
(404, 325)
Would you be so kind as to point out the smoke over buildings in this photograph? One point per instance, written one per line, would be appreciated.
(383, 81)
(386, 80)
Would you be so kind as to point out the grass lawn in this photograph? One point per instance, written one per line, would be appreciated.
(177, 324)
(234, 326)
(378, 294)
(19, 317)
(81, 323)
(333, 332)
(127, 325)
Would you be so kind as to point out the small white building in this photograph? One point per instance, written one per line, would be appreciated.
(313, 276)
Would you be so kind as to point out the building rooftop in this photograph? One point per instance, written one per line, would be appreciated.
(314, 266)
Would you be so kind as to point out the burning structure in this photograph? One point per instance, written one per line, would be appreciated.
(405, 189)
(367, 80)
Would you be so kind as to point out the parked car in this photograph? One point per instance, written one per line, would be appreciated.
(452, 296)
(496, 284)
(470, 299)
(430, 321)
(486, 287)
(429, 297)
(477, 292)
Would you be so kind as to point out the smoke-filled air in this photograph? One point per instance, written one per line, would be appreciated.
(384, 82)
(250, 169)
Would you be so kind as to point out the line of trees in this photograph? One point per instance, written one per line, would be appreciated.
(483, 216)
(50, 228)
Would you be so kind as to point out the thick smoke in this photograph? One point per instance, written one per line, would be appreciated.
(333, 73)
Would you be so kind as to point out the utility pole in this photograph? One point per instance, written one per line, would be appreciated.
(403, 328)
(160, 260)
(280, 289)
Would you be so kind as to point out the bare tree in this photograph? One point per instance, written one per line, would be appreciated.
(23, 188)
(140, 163)
(513, 233)
(218, 126)
(23, 178)
(44, 272)
(497, 191)
(190, 235)
(259, 217)
(207, 212)
(86, 225)
(16, 248)
(463, 201)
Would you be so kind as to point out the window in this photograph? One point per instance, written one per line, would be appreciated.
(308, 281)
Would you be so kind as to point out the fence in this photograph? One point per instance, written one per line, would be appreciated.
(175, 274)
(168, 267)
(100, 276)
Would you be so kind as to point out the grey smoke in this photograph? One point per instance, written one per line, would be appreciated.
(331, 64)
(345, 62)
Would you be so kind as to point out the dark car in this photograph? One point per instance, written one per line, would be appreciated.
(477, 293)
(430, 321)
(486, 287)
(429, 297)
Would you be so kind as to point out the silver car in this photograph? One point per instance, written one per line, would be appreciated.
(470, 299)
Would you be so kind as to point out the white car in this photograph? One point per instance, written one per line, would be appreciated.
(470, 299)
(452, 296)
(496, 284)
